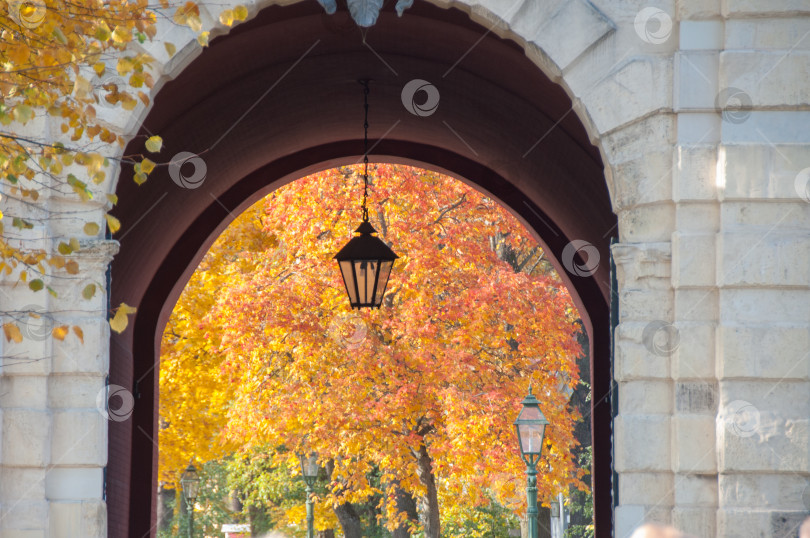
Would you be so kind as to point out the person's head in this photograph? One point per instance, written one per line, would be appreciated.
(804, 530)
(653, 530)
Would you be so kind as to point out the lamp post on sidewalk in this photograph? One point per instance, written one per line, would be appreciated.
(531, 427)
(309, 470)
(190, 481)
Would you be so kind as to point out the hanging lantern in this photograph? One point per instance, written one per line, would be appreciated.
(365, 261)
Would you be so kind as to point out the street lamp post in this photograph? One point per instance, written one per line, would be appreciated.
(190, 481)
(309, 470)
(531, 427)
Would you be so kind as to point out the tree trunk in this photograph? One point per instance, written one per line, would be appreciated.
(428, 503)
(349, 520)
(407, 504)
(165, 516)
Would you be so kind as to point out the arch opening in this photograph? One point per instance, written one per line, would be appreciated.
(266, 119)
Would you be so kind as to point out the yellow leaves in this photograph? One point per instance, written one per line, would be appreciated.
(154, 144)
(12, 333)
(36, 285)
(171, 49)
(60, 332)
(89, 291)
(91, 228)
(17, 53)
(202, 38)
(229, 16)
(102, 31)
(79, 333)
(113, 224)
(122, 34)
(119, 321)
(189, 15)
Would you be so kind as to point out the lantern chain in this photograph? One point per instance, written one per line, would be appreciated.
(365, 150)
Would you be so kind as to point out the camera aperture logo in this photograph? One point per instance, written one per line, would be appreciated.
(115, 403)
(416, 87)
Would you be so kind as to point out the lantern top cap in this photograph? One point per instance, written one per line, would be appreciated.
(531, 414)
(365, 228)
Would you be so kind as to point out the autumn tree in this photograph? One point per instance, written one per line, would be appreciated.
(72, 64)
(424, 389)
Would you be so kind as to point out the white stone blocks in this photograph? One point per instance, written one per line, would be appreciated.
(642, 443)
(21, 483)
(23, 391)
(649, 397)
(764, 352)
(637, 87)
(758, 523)
(640, 266)
(651, 183)
(23, 515)
(26, 438)
(699, 128)
(778, 33)
(693, 260)
(694, 176)
(74, 391)
(696, 490)
(628, 517)
(693, 444)
(696, 80)
(71, 519)
(79, 438)
(647, 224)
(763, 426)
(646, 488)
(92, 356)
(564, 33)
(772, 127)
(752, 305)
(769, 78)
(694, 521)
(74, 483)
(701, 35)
(694, 356)
(696, 304)
(787, 491)
(739, 8)
(697, 9)
(635, 140)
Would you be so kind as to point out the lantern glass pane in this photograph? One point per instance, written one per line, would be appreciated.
(309, 465)
(366, 271)
(348, 279)
(531, 438)
(190, 482)
(382, 281)
(530, 412)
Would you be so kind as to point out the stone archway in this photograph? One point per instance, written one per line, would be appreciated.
(269, 117)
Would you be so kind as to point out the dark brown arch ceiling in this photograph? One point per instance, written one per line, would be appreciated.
(278, 98)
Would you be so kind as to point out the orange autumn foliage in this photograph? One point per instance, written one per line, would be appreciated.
(440, 369)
